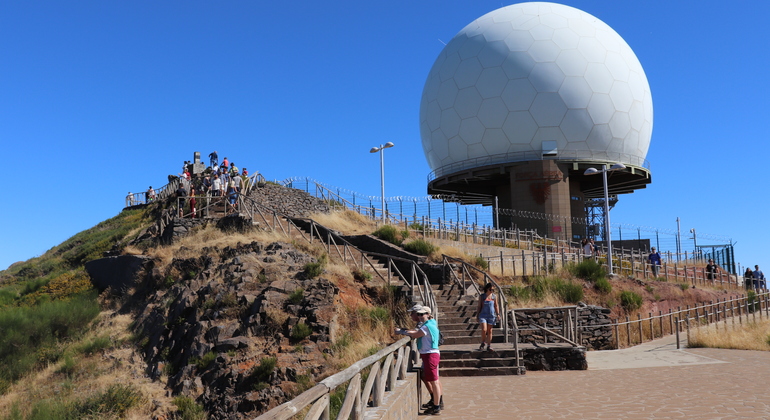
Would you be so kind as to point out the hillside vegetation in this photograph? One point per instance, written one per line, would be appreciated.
(278, 314)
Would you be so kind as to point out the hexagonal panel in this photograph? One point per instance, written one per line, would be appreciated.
(636, 115)
(495, 141)
(592, 50)
(620, 125)
(621, 96)
(497, 31)
(600, 138)
(554, 21)
(518, 95)
(493, 54)
(491, 82)
(548, 109)
(518, 64)
(472, 46)
(566, 39)
(599, 78)
(447, 94)
(493, 112)
(467, 102)
(617, 66)
(541, 32)
(449, 67)
(458, 150)
(519, 41)
(433, 116)
(450, 122)
(577, 124)
(600, 108)
(572, 63)
(575, 92)
(519, 127)
(468, 73)
(476, 150)
(440, 145)
(471, 130)
(546, 77)
(544, 51)
(547, 134)
(582, 27)
(608, 40)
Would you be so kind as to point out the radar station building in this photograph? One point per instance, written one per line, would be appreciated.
(521, 102)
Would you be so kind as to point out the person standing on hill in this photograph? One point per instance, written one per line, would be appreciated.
(759, 278)
(487, 311)
(748, 279)
(225, 163)
(654, 260)
(213, 158)
(711, 270)
(588, 248)
(428, 334)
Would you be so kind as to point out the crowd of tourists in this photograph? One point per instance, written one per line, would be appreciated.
(220, 179)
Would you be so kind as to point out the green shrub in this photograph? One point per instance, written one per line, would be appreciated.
(362, 275)
(202, 363)
(752, 301)
(520, 293)
(188, 409)
(263, 371)
(24, 330)
(588, 270)
(300, 332)
(649, 288)
(295, 297)
(313, 270)
(569, 291)
(420, 247)
(630, 301)
(481, 263)
(116, 400)
(603, 285)
(684, 286)
(416, 226)
(342, 342)
(95, 345)
(388, 233)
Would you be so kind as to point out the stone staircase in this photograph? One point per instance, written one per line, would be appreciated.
(462, 335)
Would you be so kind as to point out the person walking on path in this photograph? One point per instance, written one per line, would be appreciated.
(654, 260)
(487, 314)
(588, 248)
(427, 334)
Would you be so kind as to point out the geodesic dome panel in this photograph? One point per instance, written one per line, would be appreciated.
(534, 72)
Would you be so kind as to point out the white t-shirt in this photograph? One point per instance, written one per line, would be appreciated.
(588, 249)
(427, 341)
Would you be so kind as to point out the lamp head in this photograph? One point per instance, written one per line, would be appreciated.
(591, 171)
(374, 150)
(388, 144)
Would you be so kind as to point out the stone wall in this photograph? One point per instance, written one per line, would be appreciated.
(399, 403)
(289, 201)
(594, 332)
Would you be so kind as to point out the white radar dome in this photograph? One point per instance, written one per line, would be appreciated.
(531, 73)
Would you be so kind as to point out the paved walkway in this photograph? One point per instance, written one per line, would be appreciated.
(649, 381)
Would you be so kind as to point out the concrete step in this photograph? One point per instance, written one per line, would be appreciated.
(482, 371)
(469, 339)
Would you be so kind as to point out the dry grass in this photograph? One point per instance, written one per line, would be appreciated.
(362, 338)
(348, 222)
(748, 336)
(192, 245)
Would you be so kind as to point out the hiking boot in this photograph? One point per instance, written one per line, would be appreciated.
(429, 404)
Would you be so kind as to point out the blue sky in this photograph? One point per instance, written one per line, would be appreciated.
(101, 98)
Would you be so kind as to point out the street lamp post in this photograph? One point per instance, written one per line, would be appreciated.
(593, 171)
(382, 171)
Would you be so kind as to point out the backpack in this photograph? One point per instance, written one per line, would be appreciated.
(440, 338)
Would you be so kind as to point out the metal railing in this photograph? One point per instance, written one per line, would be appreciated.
(467, 277)
(632, 332)
(350, 255)
(382, 378)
